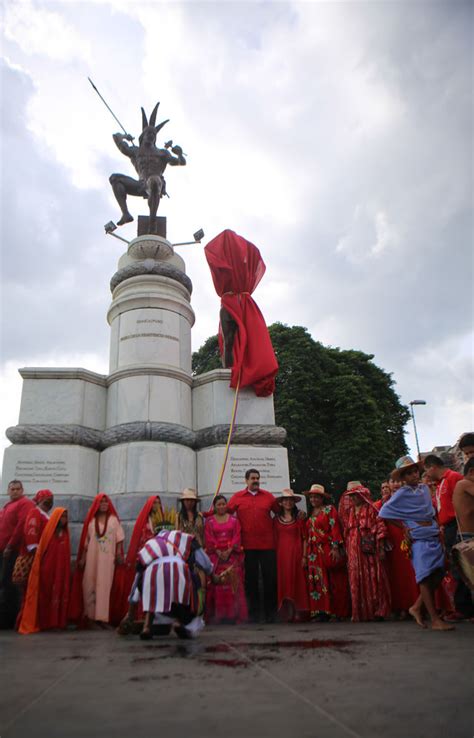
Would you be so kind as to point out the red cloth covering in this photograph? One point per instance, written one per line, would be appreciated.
(370, 592)
(444, 496)
(237, 267)
(76, 606)
(253, 513)
(47, 595)
(12, 522)
(291, 578)
(225, 601)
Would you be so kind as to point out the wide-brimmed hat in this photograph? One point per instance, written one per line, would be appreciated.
(288, 494)
(353, 485)
(405, 462)
(357, 489)
(317, 489)
(188, 494)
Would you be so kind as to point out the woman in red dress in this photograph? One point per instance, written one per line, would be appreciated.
(327, 578)
(47, 595)
(365, 545)
(293, 600)
(225, 601)
(401, 575)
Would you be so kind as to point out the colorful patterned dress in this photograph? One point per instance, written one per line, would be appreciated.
(225, 601)
(370, 591)
(323, 535)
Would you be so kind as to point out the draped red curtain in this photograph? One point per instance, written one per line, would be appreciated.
(237, 267)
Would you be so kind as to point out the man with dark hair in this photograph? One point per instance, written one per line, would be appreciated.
(12, 521)
(253, 507)
(466, 445)
(412, 505)
(446, 480)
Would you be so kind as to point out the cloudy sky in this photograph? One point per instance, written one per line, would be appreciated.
(335, 136)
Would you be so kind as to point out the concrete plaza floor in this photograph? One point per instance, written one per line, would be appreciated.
(305, 681)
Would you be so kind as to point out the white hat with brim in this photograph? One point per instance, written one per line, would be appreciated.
(188, 494)
(317, 489)
(288, 494)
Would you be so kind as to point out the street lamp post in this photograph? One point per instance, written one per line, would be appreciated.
(416, 402)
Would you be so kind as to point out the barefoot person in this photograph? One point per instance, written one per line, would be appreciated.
(412, 505)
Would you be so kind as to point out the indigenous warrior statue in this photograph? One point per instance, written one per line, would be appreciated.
(150, 163)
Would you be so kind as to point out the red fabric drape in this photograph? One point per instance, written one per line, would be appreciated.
(237, 267)
(76, 606)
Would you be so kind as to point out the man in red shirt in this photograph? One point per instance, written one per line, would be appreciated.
(446, 480)
(253, 507)
(12, 521)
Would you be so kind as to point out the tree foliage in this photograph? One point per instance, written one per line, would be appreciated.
(343, 417)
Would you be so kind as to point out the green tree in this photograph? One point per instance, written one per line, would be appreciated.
(342, 415)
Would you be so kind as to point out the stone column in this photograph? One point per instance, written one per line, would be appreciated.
(148, 441)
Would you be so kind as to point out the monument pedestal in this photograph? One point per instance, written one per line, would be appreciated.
(149, 426)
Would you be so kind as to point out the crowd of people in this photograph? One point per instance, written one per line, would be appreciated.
(251, 558)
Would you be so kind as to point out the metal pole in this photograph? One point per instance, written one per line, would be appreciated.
(414, 426)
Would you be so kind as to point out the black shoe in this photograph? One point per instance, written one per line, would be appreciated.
(181, 632)
(161, 630)
(145, 635)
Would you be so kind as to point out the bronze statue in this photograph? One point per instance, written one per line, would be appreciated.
(150, 163)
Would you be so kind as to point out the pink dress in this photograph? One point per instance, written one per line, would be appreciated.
(99, 569)
(225, 601)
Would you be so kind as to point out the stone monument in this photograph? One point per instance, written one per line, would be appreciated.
(148, 426)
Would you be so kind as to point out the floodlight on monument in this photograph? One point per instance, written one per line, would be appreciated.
(110, 227)
(198, 236)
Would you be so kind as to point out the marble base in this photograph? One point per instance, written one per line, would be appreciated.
(213, 401)
(271, 462)
(147, 467)
(64, 469)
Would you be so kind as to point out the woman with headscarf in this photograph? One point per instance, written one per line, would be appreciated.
(365, 537)
(47, 594)
(225, 601)
(35, 522)
(96, 591)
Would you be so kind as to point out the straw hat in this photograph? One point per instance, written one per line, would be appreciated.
(405, 462)
(353, 485)
(317, 489)
(288, 494)
(188, 494)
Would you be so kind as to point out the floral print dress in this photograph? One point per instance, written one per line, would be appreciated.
(322, 535)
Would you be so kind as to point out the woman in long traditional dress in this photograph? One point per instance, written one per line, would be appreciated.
(293, 600)
(190, 519)
(47, 594)
(328, 591)
(98, 580)
(225, 602)
(365, 538)
(404, 590)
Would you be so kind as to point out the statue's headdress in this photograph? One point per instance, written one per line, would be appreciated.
(151, 124)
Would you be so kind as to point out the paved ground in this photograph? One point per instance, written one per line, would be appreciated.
(308, 681)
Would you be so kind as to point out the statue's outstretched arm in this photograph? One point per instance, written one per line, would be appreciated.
(120, 141)
(178, 160)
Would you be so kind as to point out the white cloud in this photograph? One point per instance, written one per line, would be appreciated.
(335, 136)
